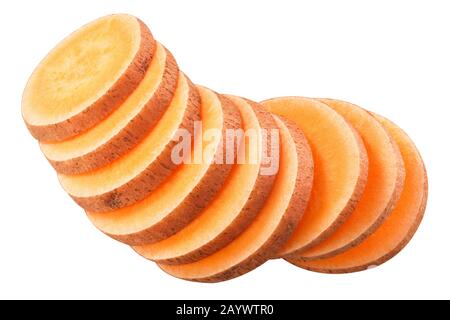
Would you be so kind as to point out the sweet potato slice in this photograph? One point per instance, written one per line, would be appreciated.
(86, 77)
(233, 209)
(398, 229)
(125, 127)
(273, 225)
(136, 174)
(340, 169)
(186, 192)
(384, 183)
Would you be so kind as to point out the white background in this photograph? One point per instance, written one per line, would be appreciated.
(392, 57)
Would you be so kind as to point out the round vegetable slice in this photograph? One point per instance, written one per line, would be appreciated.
(136, 174)
(86, 77)
(340, 169)
(384, 183)
(398, 229)
(273, 225)
(187, 191)
(125, 127)
(235, 205)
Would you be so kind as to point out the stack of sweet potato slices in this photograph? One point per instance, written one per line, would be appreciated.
(211, 186)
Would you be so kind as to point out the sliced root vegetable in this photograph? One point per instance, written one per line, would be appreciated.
(399, 227)
(125, 127)
(136, 174)
(340, 169)
(187, 191)
(86, 77)
(273, 225)
(234, 207)
(384, 183)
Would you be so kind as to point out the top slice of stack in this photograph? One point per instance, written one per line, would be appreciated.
(86, 77)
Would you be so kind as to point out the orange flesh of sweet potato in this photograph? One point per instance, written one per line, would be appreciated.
(185, 193)
(271, 227)
(231, 211)
(399, 227)
(105, 105)
(340, 169)
(87, 76)
(132, 177)
(125, 127)
(384, 183)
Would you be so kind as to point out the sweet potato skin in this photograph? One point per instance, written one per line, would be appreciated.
(290, 219)
(198, 198)
(113, 98)
(148, 180)
(130, 135)
(255, 202)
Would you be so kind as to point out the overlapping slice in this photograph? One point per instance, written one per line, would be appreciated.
(273, 225)
(187, 191)
(399, 227)
(136, 174)
(384, 183)
(340, 169)
(234, 207)
(125, 127)
(86, 77)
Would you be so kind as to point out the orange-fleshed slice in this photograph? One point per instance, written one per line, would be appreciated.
(273, 225)
(400, 226)
(125, 127)
(234, 207)
(86, 77)
(384, 183)
(187, 191)
(137, 173)
(340, 169)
